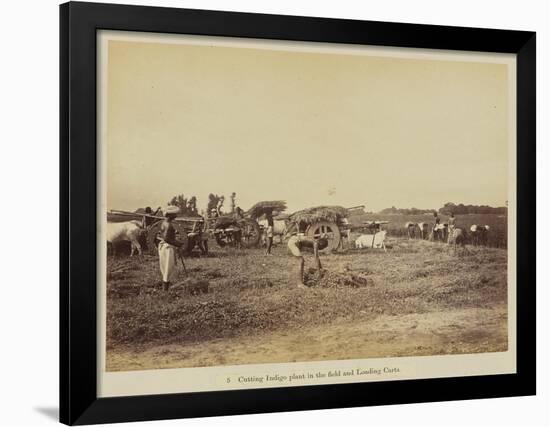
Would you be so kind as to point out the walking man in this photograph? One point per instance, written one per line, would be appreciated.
(168, 246)
(269, 234)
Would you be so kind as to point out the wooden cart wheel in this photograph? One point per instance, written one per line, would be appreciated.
(220, 237)
(152, 242)
(250, 233)
(181, 235)
(330, 229)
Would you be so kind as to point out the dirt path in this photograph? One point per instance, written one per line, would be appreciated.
(471, 330)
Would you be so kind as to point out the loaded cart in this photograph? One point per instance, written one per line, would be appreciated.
(188, 229)
(330, 221)
(231, 229)
(242, 228)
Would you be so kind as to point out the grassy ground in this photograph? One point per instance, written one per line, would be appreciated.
(420, 298)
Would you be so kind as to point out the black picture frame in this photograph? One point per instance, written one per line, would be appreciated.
(78, 198)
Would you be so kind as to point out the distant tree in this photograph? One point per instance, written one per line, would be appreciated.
(233, 197)
(187, 207)
(412, 211)
(392, 210)
(214, 202)
(181, 202)
(192, 206)
(448, 208)
(462, 209)
(220, 204)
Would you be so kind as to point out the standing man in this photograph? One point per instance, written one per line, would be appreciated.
(435, 228)
(168, 246)
(436, 219)
(269, 234)
(297, 243)
(452, 224)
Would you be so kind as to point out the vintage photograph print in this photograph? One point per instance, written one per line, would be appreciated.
(280, 213)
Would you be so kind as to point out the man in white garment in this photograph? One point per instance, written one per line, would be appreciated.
(168, 246)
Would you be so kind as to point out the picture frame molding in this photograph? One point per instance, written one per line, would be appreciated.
(79, 23)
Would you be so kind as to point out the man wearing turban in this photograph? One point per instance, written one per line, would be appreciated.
(168, 246)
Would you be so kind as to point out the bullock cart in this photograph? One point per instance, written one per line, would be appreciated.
(233, 229)
(266, 213)
(242, 228)
(190, 230)
(330, 221)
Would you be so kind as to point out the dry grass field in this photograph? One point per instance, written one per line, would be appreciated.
(240, 307)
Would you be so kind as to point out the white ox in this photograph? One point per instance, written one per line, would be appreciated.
(124, 231)
(457, 236)
(371, 240)
(279, 228)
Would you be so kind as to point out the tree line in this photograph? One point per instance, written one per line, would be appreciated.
(406, 211)
(188, 206)
(462, 209)
(447, 209)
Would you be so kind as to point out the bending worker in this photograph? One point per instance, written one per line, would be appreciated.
(297, 243)
(168, 246)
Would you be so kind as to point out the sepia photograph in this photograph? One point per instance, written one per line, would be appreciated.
(270, 202)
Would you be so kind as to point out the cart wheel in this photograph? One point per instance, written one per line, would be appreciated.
(330, 229)
(221, 237)
(250, 233)
(152, 241)
(181, 235)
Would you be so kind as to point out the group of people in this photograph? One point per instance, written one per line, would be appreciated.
(169, 247)
(451, 225)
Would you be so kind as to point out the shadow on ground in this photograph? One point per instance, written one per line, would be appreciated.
(49, 412)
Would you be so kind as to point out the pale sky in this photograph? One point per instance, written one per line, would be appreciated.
(308, 128)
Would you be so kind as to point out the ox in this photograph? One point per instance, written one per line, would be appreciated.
(411, 229)
(279, 228)
(125, 231)
(423, 227)
(375, 240)
(457, 237)
(479, 234)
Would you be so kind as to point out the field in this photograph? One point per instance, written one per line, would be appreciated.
(240, 306)
(497, 236)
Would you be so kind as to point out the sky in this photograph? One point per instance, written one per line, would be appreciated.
(309, 128)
